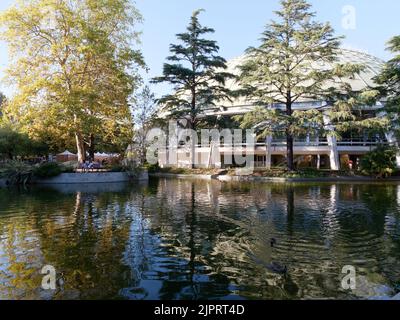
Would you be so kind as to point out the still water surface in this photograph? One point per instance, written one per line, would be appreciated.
(180, 239)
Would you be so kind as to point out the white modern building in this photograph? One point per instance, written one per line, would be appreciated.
(322, 152)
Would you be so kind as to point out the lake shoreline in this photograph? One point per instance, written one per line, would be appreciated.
(228, 178)
(86, 178)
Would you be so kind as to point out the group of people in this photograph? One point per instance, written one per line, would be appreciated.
(89, 165)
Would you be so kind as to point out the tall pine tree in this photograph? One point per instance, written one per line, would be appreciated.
(197, 74)
(285, 69)
(389, 79)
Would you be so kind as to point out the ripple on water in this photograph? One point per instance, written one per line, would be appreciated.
(193, 240)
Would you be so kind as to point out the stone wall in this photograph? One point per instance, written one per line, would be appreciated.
(92, 177)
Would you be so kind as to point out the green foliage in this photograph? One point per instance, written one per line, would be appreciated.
(74, 66)
(152, 168)
(283, 173)
(3, 100)
(311, 173)
(266, 120)
(10, 142)
(71, 166)
(16, 172)
(389, 79)
(380, 162)
(285, 69)
(132, 169)
(196, 72)
(48, 170)
(14, 143)
(117, 168)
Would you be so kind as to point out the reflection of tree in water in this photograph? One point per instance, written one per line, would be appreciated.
(312, 229)
(83, 236)
(20, 252)
(16, 274)
(90, 250)
(177, 239)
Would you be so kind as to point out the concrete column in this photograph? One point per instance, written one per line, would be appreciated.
(210, 154)
(214, 157)
(334, 154)
(268, 143)
(332, 142)
(318, 155)
(172, 149)
(163, 158)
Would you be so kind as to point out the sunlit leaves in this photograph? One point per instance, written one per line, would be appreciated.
(74, 66)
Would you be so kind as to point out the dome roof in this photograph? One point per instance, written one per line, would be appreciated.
(361, 81)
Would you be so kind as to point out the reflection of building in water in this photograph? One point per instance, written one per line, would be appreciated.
(327, 227)
(330, 219)
(181, 239)
(398, 196)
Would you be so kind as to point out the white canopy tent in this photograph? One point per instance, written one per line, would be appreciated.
(66, 156)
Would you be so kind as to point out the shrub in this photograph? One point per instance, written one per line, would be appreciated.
(68, 169)
(118, 168)
(380, 162)
(16, 172)
(48, 170)
(152, 167)
(311, 173)
(71, 165)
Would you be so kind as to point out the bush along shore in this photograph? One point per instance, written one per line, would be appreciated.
(379, 164)
(275, 174)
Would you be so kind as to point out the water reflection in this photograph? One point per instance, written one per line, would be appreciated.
(178, 239)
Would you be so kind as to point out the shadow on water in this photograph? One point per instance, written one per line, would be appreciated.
(179, 239)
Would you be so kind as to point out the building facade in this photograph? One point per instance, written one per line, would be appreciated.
(309, 151)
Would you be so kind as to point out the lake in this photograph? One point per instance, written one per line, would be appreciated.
(184, 239)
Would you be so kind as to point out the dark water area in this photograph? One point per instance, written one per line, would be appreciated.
(182, 239)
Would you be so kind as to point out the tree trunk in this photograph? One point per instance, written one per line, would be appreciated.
(143, 149)
(80, 147)
(268, 157)
(193, 127)
(289, 151)
(80, 143)
(92, 147)
(193, 148)
(289, 138)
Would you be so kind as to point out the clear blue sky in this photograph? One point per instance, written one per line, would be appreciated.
(238, 24)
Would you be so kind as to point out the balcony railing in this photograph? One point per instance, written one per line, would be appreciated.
(298, 143)
(360, 143)
(301, 143)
